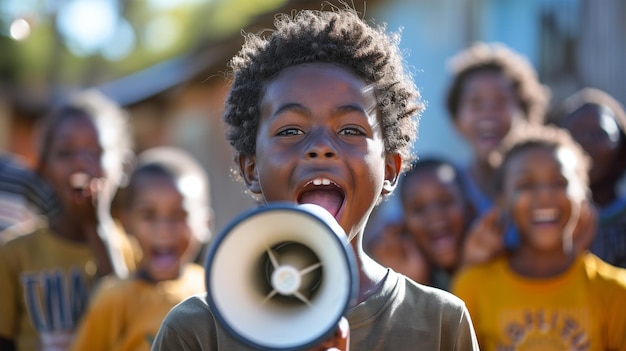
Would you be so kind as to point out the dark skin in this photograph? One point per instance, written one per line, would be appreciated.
(487, 111)
(319, 125)
(394, 248)
(435, 213)
(596, 130)
(485, 238)
(542, 192)
(74, 169)
(339, 340)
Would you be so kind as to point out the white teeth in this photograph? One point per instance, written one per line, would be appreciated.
(321, 181)
(545, 215)
(79, 180)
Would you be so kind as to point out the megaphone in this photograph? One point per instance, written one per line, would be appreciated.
(281, 276)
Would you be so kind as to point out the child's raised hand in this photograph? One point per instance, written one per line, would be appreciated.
(86, 197)
(87, 206)
(485, 239)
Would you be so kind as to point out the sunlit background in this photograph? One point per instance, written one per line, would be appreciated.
(112, 37)
(164, 61)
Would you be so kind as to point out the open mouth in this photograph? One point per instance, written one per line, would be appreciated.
(545, 216)
(441, 239)
(79, 180)
(323, 192)
(164, 258)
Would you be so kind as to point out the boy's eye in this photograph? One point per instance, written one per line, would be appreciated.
(179, 216)
(351, 131)
(502, 103)
(473, 103)
(290, 132)
(561, 184)
(64, 153)
(524, 185)
(417, 208)
(147, 215)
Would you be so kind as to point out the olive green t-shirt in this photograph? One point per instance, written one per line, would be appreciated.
(402, 315)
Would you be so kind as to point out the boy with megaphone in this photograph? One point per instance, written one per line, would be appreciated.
(321, 111)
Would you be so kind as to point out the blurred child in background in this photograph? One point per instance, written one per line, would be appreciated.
(544, 294)
(166, 208)
(436, 215)
(598, 123)
(388, 242)
(47, 275)
(493, 90)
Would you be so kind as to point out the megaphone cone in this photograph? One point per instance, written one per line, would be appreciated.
(281, 276)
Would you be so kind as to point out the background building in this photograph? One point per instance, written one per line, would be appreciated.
(176, 97)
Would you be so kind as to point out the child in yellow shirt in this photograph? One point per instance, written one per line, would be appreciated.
(166, 208)
(545, 294)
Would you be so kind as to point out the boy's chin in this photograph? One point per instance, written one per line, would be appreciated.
(160, 274)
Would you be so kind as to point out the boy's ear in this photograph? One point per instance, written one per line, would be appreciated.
(393, 165)
(247, 168)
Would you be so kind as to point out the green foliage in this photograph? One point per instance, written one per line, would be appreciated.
(160, 33)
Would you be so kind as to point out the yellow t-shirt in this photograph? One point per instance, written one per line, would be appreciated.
(125, 314)
(45, 286)
(582, 309)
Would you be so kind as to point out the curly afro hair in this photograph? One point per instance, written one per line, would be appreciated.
(497, 57)
(339, 37)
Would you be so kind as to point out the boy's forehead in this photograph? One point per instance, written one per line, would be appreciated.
(329, 83)
(311, 70)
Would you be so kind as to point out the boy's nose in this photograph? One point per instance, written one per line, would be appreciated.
(321, 145)
(85, 160)
(546, 192)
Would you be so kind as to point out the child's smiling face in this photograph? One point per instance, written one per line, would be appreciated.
(542, 189)
(74, 161)
(487, 109)
(435, 213)
(158, 218)
(320, 141)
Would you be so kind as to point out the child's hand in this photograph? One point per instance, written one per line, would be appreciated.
(485, 239)
(86, 198)
(338, 341)
(87, 207)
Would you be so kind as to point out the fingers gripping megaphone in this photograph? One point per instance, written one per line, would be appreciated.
(281, 276)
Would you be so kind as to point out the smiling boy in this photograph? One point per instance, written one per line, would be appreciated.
(321, 111)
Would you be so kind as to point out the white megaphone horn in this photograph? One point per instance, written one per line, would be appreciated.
(281, 276)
